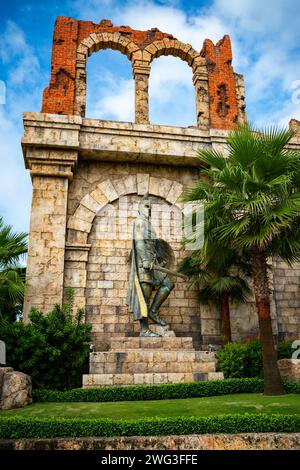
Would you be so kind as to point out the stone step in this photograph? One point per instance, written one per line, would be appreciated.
(152, 355)
(119, 343)
(150, 367)
(102, 380)
(148, 361)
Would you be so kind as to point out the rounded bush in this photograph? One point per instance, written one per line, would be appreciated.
(231, 360)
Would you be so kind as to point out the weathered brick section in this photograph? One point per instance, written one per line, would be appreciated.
(222, 87)
(68, 33)
(58, 98)
(220, 96)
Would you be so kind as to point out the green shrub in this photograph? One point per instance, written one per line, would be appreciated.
(238, 360)
(52, 348)
(16, 428)
(253, 366)
(231, 360)
(158, 392)
(291, 387)
(284, 350)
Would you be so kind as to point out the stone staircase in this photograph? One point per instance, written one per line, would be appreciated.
(138, 360)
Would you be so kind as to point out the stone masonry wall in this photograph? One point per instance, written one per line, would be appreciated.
(287, 299)
(45, 268)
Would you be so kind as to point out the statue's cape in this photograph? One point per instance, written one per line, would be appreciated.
(135, 299)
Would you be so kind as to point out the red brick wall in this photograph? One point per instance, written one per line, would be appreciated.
(221, 83)
(58, 98)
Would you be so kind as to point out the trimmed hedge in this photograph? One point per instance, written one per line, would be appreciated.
(16, 428)
(158, 392)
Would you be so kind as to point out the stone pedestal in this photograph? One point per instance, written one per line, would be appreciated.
(138, 360)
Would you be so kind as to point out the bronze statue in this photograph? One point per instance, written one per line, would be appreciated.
(149, 256)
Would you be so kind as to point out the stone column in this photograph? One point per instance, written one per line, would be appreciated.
(200, 81)
(50, 171)
(76, 258)
(240, 96)
(141, 72)
(80, 84)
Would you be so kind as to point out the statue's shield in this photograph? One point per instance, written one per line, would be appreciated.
(165, 253)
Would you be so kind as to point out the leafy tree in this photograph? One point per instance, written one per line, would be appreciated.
(254, 192)
(219, 275)
(13, 246)
(51, 348)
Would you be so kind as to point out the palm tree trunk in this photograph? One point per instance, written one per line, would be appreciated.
(272, 380)
(225, 318)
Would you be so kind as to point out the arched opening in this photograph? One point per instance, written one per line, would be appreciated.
(110, 87)
(171, 93)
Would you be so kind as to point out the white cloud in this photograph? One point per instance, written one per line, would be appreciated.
(12, 43)
(117, 103)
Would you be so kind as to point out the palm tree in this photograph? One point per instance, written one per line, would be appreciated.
(13, 247)
(219, 275)
(254, 191)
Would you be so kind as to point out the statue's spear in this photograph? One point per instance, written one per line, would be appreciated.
(169, 271)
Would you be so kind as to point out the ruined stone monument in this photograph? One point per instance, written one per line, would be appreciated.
(88, 178)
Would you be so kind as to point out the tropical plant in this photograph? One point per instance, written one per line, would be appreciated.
(254, 193)
(13, 246)
(52, 348)
(285, 350)
(218, 273)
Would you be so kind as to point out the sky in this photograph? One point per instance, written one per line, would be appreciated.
(265, 39)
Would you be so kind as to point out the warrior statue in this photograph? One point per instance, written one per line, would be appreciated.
(149, 256)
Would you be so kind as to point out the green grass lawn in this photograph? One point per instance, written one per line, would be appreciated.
(220, 405)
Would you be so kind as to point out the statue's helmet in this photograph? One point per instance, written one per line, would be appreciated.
(145, 205)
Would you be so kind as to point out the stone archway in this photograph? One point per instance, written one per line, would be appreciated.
(94, 43)
(97, 268)
(175, 48)
(80, 223)
(141, 60)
